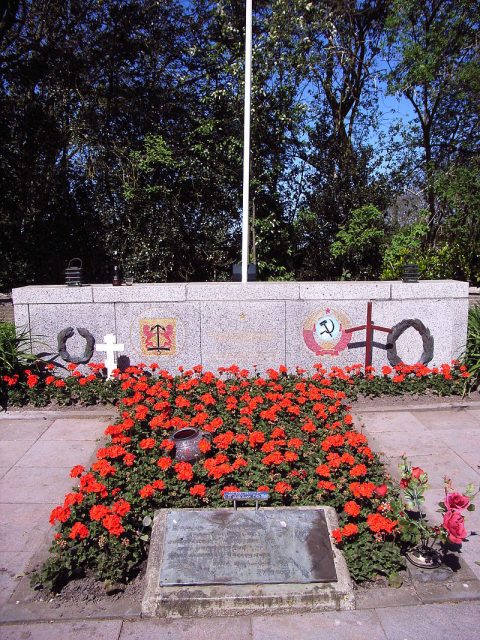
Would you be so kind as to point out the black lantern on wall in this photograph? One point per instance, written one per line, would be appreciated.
(410, 272)
(73, 273)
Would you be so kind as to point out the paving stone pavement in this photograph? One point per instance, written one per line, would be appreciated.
(426, 622)
(444, 443)
(37, 451)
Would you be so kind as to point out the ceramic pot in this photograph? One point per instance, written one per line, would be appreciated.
(186, 443)
(424, 557)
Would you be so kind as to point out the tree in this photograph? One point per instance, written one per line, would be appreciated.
(360, 243)
(433, 58)
(341, 49)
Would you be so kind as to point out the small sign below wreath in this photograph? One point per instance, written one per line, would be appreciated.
(67, 333)
(398, 330)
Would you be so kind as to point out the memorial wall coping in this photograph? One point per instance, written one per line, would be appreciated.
(140, 293)
(203, 291)
(256, 325)
(429, 289)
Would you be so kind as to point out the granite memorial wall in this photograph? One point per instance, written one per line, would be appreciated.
(255, 326)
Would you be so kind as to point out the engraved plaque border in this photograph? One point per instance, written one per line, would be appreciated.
(271, 546)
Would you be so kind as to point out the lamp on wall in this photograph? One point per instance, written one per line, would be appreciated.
(73, 273)
(410, 272)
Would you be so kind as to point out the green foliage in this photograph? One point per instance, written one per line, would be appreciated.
(15, 349)
(431, 46)
(405, 246)
(471, 356)
(367, 558)
(458, 191)
(136, 147)
(155, 155)
(360, 243)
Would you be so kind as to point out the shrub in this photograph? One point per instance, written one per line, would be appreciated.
(471, 357)
(14, 349)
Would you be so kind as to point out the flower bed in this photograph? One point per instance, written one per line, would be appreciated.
(38, 386)
(285, 434)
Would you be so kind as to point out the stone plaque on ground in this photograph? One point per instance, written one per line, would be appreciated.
(218, 562)
(224, 546)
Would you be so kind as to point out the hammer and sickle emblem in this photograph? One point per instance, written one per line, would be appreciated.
(324, 324)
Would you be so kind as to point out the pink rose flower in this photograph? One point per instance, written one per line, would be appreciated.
(456, 502)
(453, 522)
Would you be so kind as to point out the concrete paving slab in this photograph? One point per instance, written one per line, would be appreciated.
(23, 526)
(12, 451)
(3, 471)
(438, 621)
(460, 440)
(378, 422)
(12, 564)
(50, 453)
(28, 430)
(386, 597)
(448, 419)
(76, 429)
(203, 629)
(341, 625)
(33, 486)
(456, 592)
(472, 458)
(470, 554)
(395, 443)
(82, 630)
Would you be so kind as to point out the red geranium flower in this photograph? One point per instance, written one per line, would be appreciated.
(121, 507)
(229, 488)
(147, 491)
(323, 471)
(352, 508)
(128, 459)
(378, 523)
(79, 530)
(283, 487)
(164, 463)
(326, 484)
(184, 471)
(358, 470)
(198, 490)
(113, 524)
(350, 529)
(147, 443)
(362, 489)
(77, 471)
(61, 514)
(98, 511)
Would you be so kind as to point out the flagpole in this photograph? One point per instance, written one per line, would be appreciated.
(246, 137)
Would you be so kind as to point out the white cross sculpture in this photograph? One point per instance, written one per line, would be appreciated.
(110, 347)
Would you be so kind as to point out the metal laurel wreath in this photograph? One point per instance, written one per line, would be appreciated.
(398, 330)
(67, 333)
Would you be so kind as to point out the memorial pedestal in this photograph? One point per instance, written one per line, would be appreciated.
(223, 562)
(256, 325)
